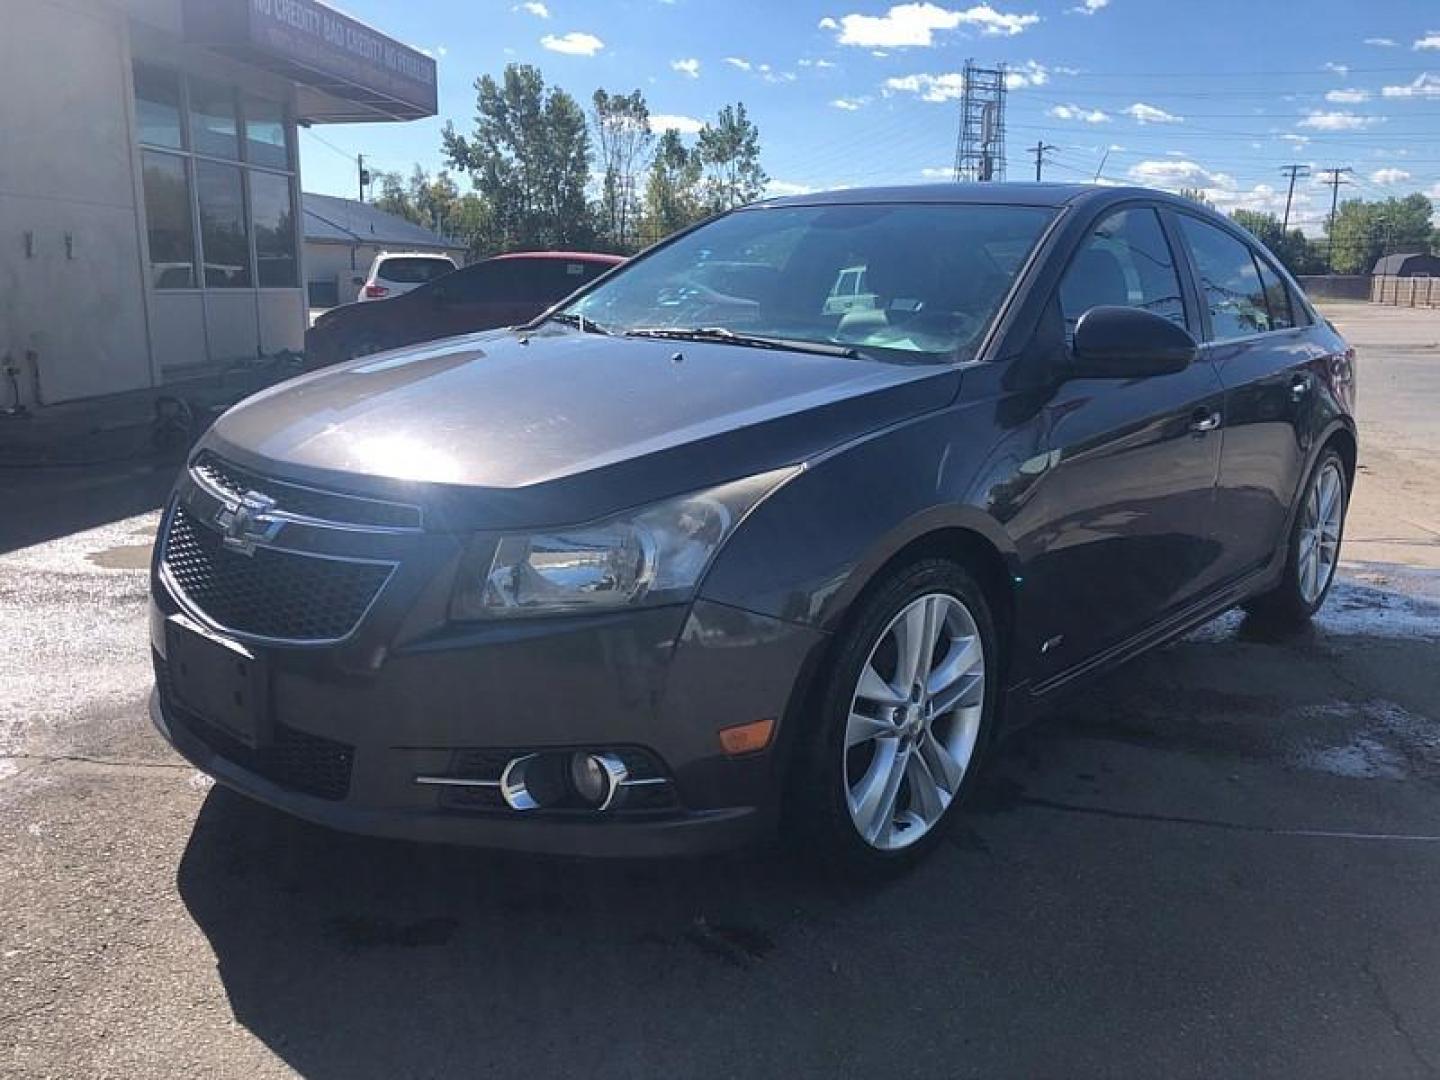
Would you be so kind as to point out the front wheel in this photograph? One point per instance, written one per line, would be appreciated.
(905, 714)
(1313, 552)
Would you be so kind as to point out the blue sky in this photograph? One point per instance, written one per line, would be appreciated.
(1216, 95)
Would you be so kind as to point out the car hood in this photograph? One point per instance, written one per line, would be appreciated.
(601, 422)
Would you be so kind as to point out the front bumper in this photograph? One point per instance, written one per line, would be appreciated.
(358, 723)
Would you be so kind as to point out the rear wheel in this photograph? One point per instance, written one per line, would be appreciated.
(1313, 552)
(906, 712)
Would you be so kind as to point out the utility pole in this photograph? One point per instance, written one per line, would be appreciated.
(1336, 173)
(1292, 171)
(363, 174)
(1039, 151)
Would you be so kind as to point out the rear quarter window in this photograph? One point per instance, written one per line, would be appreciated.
(412, 271)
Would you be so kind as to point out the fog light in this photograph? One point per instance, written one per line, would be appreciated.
(596, 778)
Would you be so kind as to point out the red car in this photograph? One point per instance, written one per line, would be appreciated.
(501, 291)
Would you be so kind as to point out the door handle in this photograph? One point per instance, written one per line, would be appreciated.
(1299, 387)
(1203, 420)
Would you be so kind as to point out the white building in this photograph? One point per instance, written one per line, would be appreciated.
(342, 236)
(149, 181)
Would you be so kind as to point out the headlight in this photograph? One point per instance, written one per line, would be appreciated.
(652, 556)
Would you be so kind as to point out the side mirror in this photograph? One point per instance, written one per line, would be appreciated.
(1129, 343)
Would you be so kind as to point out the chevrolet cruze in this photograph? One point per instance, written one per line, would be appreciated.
(711, 548)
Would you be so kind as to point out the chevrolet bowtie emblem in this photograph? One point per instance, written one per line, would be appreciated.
(248, 522)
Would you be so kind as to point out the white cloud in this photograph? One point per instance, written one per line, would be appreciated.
(815, 63)
(437, 51)
(1077, 112)
(776, 188)
(573, 43)
(686, 125)
(915, 24)
(739, 62)
(1089, 7)
(1383, 42)
(1219, 188)
(947, 87)
(539, 10)
(1030, 73)
(689, 66)
(997, 23)
(1431, 40)
(1178, 173)
(1389, 176)
(938, 173)
(1424, 85)
(1338, 69)
(1298, 140)
(1151, 114)
(849, 104)
(1347, 97)
(1337, 120)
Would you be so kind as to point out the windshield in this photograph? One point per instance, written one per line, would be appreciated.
(907, 281)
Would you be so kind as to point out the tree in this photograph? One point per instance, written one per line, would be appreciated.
(436, 204)
(1195, 194)
(729, 150)
(1364, 231)
(1291, 248)
(673, 198)
(529, 158)
(622, 130)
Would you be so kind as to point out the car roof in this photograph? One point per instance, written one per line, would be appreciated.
(1006, 194)
(582, 256)
(414, 255)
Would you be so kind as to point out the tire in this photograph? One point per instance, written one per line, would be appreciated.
(1292, 602)
(839, 796)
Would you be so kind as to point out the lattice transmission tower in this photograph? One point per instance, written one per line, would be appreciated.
(980, 148)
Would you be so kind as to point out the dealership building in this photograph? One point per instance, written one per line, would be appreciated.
(150, 231)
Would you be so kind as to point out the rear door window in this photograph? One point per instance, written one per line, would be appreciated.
(484, 282)
(1277, 296)
(1229, 281)
(1124, 262)
(412, 271)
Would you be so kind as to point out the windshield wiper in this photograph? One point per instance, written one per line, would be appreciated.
(580, 322)
(729, 337)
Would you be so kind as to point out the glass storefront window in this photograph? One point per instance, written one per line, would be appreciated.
(265, 142)
(273, 213)
(157, 107)
(213, 129)
(223, 236)
(246, 212)
(167, 217)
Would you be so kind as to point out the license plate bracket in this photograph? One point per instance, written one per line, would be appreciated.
(221, 681)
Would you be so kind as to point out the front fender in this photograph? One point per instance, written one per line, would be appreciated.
(807, 551)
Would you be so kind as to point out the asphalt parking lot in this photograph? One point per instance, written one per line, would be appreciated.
(1223, 860)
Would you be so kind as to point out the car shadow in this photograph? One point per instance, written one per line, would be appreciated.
(355, 957)
(351, 956)
(46, 502)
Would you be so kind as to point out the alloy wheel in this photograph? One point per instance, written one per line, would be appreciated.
(914, 720)
(1320, 532)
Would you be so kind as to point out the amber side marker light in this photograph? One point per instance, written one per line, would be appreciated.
(747, 738)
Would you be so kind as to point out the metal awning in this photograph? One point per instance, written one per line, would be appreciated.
(361, 74)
